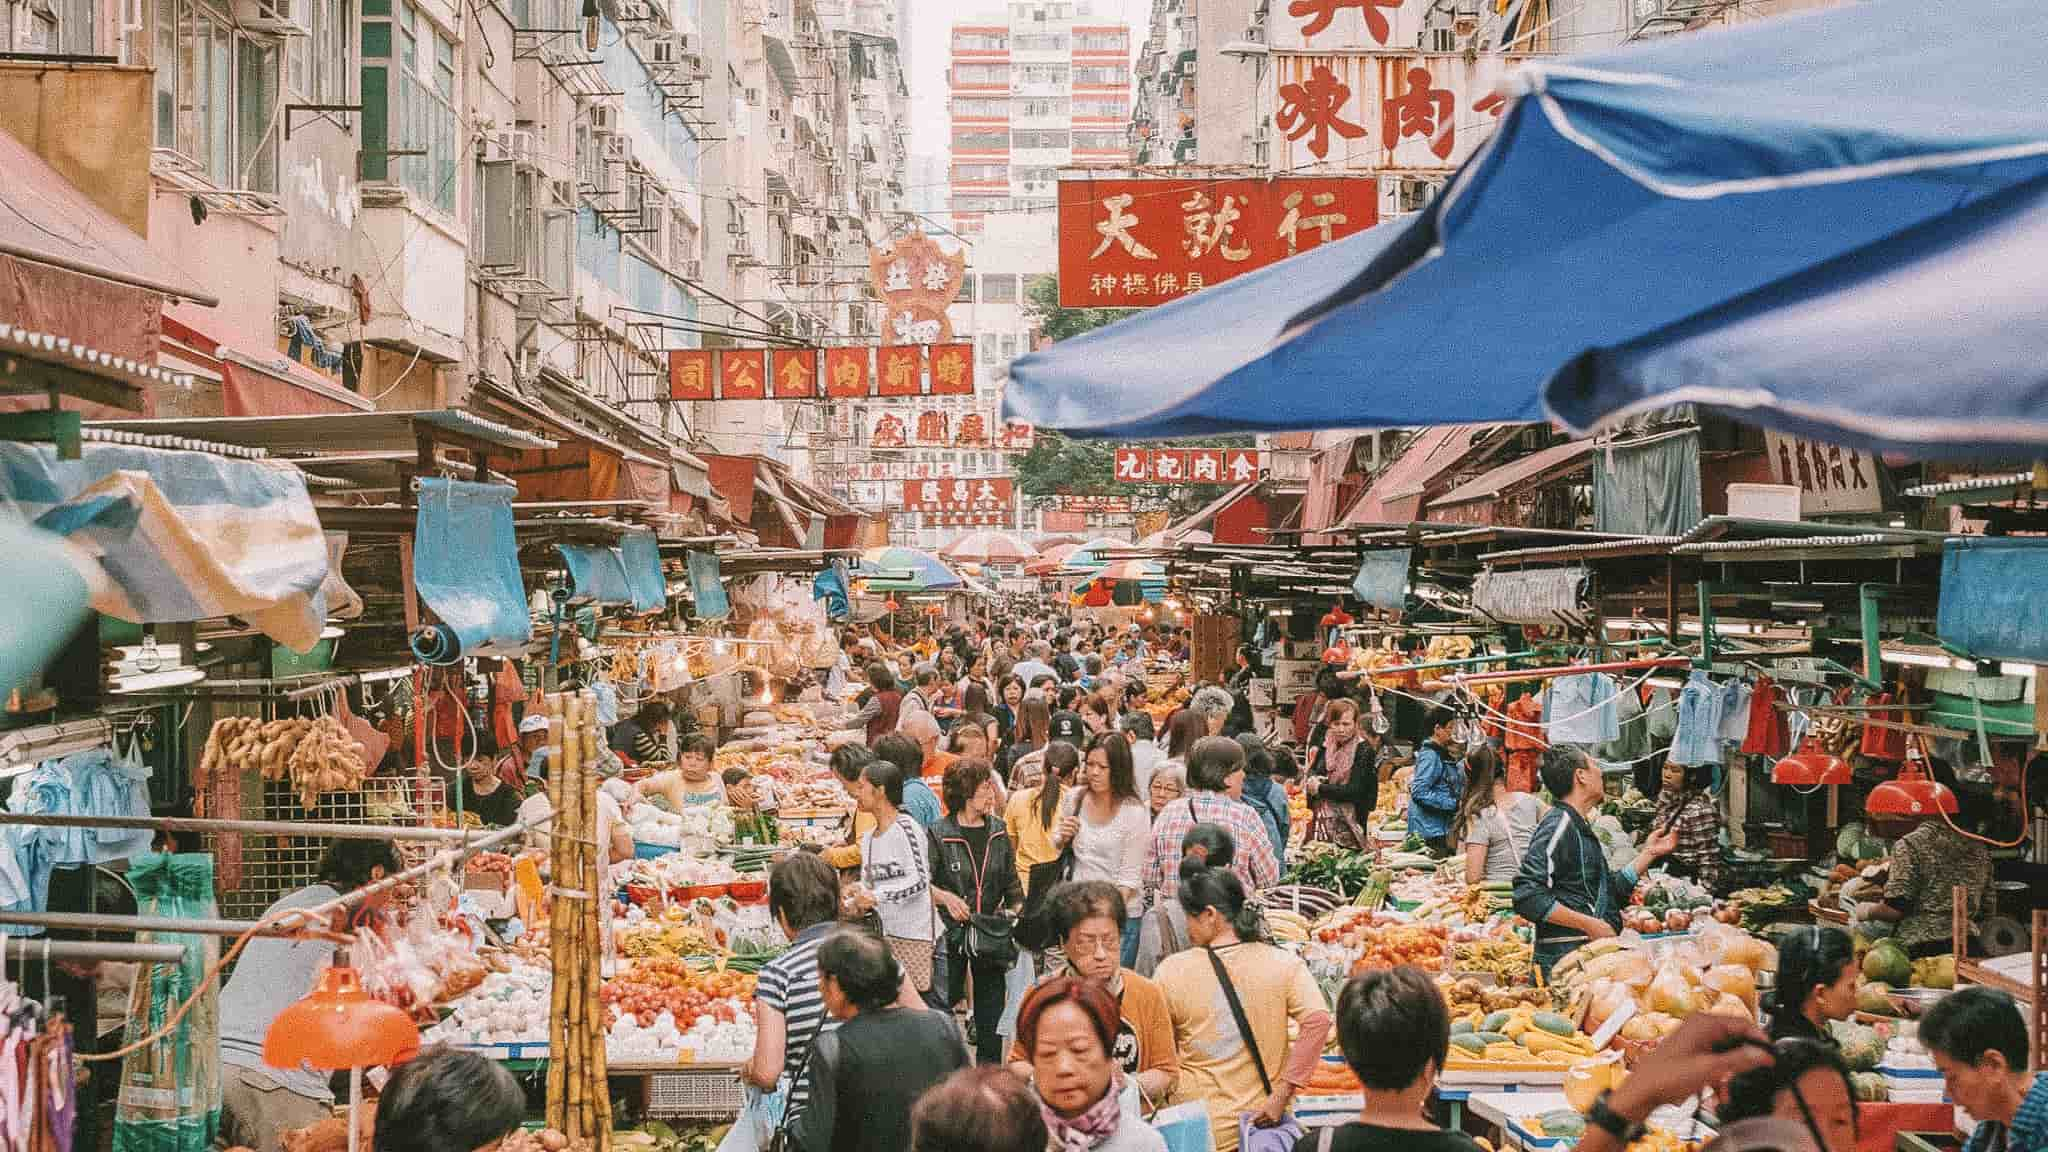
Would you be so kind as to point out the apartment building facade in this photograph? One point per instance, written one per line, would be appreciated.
(517, 208)
(1043, 85)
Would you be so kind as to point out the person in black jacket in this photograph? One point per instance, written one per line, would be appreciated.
(867, 1074)
(974, 873)
(1565, 887)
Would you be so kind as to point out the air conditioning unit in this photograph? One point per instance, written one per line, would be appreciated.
(1256, 33)
(693, 270)
(514, 144)
(617, 149)
(604, 118)
(276, 17)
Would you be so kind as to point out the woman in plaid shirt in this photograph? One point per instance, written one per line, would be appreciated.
(1215, 773)
(1686, 802)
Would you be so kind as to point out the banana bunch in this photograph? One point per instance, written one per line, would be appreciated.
(1286, 926)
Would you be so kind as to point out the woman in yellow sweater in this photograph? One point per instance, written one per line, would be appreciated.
(1033, 814)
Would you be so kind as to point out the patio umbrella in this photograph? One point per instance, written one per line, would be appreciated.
(1141, 570)
(1168, 538)
(1763, 219)
(1049, 559)
(1088, 557)
(989, 548)
(927, 572)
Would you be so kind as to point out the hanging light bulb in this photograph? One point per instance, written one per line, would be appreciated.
(590, 26)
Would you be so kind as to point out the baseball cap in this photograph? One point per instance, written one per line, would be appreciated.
(534, 723)
(1067, 726)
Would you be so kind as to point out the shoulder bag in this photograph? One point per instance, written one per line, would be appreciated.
(779, 1140)
(1250, 1137)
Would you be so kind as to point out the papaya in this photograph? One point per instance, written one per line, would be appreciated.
(1552, 1023)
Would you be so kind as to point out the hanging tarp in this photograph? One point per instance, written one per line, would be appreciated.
(49, 588)
(597, 574)
(1648, 487)
(1382, 580)
(1991, 602)
(182, 535)
(343, 603)
(707, 592)
(1545, 596)
(830, 586)
(466, 568)
(640, 556)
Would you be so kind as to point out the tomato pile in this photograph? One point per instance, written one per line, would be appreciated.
(1383, 943)
(654, 986)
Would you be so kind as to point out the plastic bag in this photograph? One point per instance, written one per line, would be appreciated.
(1630, 967)
(1670, 992)
(170, 1095)
(1603, 1000)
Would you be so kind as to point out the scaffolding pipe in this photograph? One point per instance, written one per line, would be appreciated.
(246, 827)
(35, 951)
(113, 922)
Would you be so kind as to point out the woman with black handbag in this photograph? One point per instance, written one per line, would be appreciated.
(978, 891)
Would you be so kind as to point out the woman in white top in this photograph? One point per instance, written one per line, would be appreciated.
(896, 873)
(1493, 822)
(1109, 826)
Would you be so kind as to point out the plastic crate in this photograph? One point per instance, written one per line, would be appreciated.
(709, 1094)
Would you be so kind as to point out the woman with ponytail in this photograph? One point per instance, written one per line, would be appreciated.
(1817, 976)
(1231, 998)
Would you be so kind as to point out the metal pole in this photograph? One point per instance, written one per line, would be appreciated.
(107, 922)
(36, 951)
(445, 858)
(249, 827)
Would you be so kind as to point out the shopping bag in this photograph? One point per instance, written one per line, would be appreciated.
(1185, 1127)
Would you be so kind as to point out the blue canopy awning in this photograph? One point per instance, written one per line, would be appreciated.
(1828, 223)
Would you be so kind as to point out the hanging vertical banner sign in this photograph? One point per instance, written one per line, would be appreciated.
(1133, 243)
(743, 374)
(847, 374)
(689, 374)
(796, 373)
(901, 370)
(952, 369)
(916, 280)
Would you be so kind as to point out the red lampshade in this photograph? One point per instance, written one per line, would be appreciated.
(1336, 617)
(337, 1025)
(889, 604)
(1812, 765)
(1910, 797)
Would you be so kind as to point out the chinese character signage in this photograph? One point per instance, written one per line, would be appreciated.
(965, 519)
(1347, 25)
(891, 431)
(700, 374)
(1132, 243)
(1831, 479)
(1069, 502)
(901, 470)
(933, 429)
(1420, 112)
(1186, 465)
(916, 279)
(960, 494)
(1016, 436)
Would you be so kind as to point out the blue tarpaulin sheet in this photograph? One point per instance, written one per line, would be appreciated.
(1382, 579)
(641, 558)
(1991, 602)
(466, 568)
(596, 574)
(708, 594)
(181, 535)
(830, 586)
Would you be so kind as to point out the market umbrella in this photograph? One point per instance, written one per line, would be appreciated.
(989, 548)
(927, 572)
(1765, 219)
(1169, 538)
(1145, 570)
(1049, 559)
(1090, 556)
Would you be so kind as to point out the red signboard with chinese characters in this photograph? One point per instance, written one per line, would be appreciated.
(901, 367)
(1347, 25)
(846, 373)
(1016, 436)
(796, 373)
(689, 374)
(960, 494)
(932, 429)
(853, 373)
(1186, 465)
(966, 519)
(743, 374)
(952, 369)
(1133, 243)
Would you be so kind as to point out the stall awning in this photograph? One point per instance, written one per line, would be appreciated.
(1396, 495)
(1531, 469)
(254, 384)
(50, 221)
(362, 431)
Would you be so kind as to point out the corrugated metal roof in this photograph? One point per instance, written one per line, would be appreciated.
(1433, 452)
(1776, 543)
(1529, 468)
(365, 431)
(1971, 484)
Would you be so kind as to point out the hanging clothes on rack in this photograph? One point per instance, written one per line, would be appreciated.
(170, 1097)
(1767, 734)
(1698, 739)
(1580, 709)
(96, 782)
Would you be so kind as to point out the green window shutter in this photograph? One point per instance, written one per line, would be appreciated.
(376, 164)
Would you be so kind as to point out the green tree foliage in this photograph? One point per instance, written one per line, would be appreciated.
(1059, 463)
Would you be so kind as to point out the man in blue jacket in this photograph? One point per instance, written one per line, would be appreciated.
(1565, 887)
(1436, 786)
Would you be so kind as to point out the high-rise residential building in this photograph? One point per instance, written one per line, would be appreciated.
(1040, 86)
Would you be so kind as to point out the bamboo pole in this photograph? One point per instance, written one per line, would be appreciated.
(558, 1014)
(597, 867)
